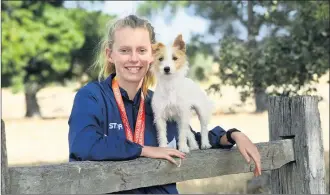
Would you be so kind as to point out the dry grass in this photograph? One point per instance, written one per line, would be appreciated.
(233, 184)
(44, 141)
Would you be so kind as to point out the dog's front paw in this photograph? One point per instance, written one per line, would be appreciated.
(193, 146)
(205, 146)
(184, 149)
(163, 145)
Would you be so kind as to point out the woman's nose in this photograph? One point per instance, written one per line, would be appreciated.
(134, 57)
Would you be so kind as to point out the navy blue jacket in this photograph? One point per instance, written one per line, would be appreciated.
(96, 132)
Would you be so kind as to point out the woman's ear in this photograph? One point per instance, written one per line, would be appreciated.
(108, 54)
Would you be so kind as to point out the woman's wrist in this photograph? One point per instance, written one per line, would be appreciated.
(143, 151)
(236, 134)
(231, 135)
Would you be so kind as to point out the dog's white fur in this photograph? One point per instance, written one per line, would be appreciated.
(174, 97)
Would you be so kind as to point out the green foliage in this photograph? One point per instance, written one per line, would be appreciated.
(201, 67)
(287, 63)
(289, 58)
(322, 10)
(93, 26)
(149, 8)
(37, 38)
(44, 43)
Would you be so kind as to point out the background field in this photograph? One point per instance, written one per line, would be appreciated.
(44, 141)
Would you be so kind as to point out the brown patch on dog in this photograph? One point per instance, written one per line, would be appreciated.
(157, 47)
(179, 52)
(180, 56)
(179, 43)
(158, 51)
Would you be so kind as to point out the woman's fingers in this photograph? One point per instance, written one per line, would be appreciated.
(173, 152)
(245, 154)
(248, 153)
(256, 172)
(176, 153)
(259, 167)
(256, 158)
(169, 158)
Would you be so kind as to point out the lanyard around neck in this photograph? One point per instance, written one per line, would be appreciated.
(140, 123)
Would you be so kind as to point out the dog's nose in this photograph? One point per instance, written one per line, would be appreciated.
(167, 69)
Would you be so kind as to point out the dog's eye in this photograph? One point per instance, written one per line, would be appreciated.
(161, 59)
(174, 58)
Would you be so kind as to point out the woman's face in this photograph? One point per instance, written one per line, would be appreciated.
(131, 53)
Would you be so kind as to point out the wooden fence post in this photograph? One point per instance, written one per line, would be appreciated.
(298, 118)
(4, 162)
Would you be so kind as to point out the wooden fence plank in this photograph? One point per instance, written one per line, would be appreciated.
(106, 177)
(4, 162)
(298, 118)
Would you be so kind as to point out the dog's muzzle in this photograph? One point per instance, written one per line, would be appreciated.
(167, 70)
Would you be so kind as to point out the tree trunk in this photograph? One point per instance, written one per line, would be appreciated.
(260, 97)
(259, 91)
(32, 106)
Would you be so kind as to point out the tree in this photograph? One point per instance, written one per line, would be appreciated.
(286, 62)
(52, 50)
(252, 64)
(93, 25)
(37, 38)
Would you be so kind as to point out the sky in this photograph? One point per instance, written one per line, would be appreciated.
(182, 23)
(164, 32)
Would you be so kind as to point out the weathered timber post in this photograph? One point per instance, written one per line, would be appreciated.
(298, 118)
(4, 162)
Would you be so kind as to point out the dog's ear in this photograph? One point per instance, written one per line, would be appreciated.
(179, 43)
(156, 47)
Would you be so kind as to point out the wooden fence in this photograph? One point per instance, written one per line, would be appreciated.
(294, 156)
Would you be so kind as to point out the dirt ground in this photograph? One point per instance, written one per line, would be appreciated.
(44, 141)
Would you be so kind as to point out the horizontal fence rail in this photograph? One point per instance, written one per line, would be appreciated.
(105, 177)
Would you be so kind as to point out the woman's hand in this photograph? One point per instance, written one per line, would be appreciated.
(248, 150)
(162, 153)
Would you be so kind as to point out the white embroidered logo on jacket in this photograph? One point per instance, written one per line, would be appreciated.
(115, 126)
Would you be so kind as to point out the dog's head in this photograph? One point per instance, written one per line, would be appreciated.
(171, 59)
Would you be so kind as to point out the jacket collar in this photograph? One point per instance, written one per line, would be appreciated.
(124, 94)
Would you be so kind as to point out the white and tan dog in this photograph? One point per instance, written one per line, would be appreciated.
(175, 95)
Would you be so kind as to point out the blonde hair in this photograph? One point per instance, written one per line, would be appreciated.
(107, 68)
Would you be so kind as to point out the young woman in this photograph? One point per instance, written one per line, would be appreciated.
(112, 119)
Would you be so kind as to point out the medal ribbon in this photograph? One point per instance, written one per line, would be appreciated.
(140, 123)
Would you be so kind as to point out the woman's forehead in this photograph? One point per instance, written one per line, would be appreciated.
(132, 36)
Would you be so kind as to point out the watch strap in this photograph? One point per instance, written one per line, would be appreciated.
(228, 135)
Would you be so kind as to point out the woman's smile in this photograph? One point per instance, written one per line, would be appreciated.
(133, 69)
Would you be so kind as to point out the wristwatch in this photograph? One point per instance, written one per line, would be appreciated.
(228, 135)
